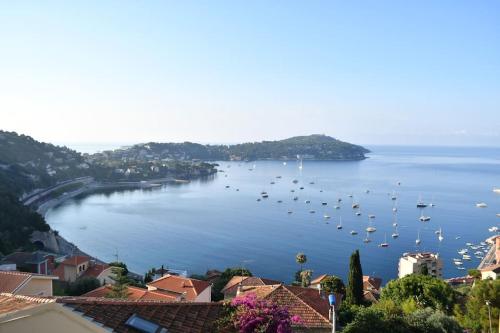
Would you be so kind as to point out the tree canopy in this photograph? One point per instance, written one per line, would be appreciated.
(423, 290)
(354, 291)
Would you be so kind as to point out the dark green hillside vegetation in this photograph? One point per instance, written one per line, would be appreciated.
(17, 223)
(314, 147)
(26, 164)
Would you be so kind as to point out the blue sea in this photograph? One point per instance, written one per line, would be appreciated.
(218, 222)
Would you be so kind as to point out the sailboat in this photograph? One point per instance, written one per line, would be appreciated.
(420, 203)
(367, 239)
(384, 244)
(395, 222)
(440, 237)
(393, 196)
(418, 241)
(339, 226)
(395, 234)
(301, 165)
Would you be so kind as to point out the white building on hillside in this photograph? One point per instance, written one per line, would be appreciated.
(411, 263)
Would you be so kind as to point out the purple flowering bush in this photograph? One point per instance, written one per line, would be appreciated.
(247, 314)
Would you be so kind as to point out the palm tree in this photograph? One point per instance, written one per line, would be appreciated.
(301, 259)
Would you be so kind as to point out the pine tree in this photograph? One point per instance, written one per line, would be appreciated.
(354, 291)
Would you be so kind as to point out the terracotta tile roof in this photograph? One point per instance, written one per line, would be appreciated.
(95, 270)
(370, 282)
(232, 285)
(371, 296)
(178, 284)
(134, 293)
(319, 279)
(176, 317)
(10, 303)
(75, 260)
(307, 303)
(10, 281)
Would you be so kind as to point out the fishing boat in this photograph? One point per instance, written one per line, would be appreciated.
(371, 229)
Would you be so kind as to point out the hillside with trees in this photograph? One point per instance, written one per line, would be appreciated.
(312, 147)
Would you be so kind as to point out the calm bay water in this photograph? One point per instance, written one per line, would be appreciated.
(204, 225)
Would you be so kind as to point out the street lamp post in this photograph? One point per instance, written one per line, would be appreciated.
(332, 300)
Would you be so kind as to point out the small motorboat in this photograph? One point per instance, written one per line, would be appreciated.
(354, 232)
(481, 205)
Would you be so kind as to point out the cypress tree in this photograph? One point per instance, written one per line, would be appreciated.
(354, 291)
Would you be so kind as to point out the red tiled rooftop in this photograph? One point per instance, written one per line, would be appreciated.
(370, 282)
(10, 281)
(134, 293)
(75, 260)
(319, 279)
(232, 284)
(95, 270)
(307, 303)
(176, 317)
(178, 284)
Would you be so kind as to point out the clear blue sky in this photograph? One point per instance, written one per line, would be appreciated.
(370, 72)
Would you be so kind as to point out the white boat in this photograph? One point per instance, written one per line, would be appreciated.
(469, 244)
(371, 228)
(496, 190)
(463, 251)
(358, 213)
(354, 232)
(355, 205)
(458, 237)
(265, 195)
(458, 263)
(336, 207)
(440, 237)
(395, 234)
(394, 209)
(481, 205)
(339, 226)
(418, 241)
(493, 229)
(367, 238)
(420, 203)
(326, 216)
(384, 244)
(424, 218)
